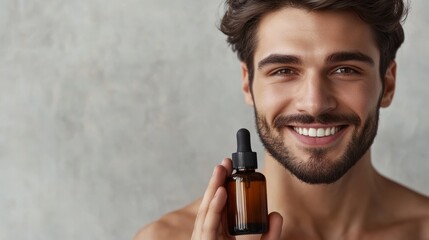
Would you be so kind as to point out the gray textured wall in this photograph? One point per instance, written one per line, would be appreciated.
(113, 113)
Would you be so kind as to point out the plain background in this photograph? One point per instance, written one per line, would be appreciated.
(113, 113)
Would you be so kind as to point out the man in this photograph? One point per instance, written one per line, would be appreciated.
(316, 73)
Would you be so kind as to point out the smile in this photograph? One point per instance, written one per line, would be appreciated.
(316, 132)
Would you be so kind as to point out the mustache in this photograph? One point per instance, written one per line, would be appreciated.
(283, 121)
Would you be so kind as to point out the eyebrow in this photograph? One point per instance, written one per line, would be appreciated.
(349, 56)
(333, 58)
(279, 59)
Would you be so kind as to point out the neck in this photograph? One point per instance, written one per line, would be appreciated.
(340, 208)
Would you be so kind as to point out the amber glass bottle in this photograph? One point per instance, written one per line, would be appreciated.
(247, 195)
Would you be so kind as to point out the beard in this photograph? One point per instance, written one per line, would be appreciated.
(317, 168)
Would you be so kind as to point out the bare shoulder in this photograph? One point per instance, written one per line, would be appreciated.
(411, 208)
(422, 213)
(179, 224)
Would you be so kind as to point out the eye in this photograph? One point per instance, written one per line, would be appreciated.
(284, 71)
(346, 70)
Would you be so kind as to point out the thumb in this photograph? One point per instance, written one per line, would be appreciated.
(275, 227)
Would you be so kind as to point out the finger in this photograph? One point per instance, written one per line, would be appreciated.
(217, 180)
(275, 227)
(227, 163)
(223, 232)
(214, 215)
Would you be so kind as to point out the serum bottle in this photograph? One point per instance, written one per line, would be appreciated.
(247, 211)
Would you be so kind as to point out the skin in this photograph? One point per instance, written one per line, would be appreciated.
(362, 204)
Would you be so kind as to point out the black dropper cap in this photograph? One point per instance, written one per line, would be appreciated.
(244, 157)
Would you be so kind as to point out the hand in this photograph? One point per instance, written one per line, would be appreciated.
(211, 215)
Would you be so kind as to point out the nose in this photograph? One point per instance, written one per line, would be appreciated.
(315, 95)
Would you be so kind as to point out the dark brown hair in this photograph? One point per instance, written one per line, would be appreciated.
(241, 19)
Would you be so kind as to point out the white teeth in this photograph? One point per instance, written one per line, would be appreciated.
(328, 132)
(305, 131)
(316, 132)
(312, 132)
(320, 132)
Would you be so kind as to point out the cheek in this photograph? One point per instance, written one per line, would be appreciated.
(363, 100)
(271, 100)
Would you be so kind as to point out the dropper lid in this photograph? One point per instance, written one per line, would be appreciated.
(244, 157)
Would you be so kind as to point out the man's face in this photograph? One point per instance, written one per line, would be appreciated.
(317, 91)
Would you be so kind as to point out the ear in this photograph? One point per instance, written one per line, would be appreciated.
(246, 84)
(389, 85)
